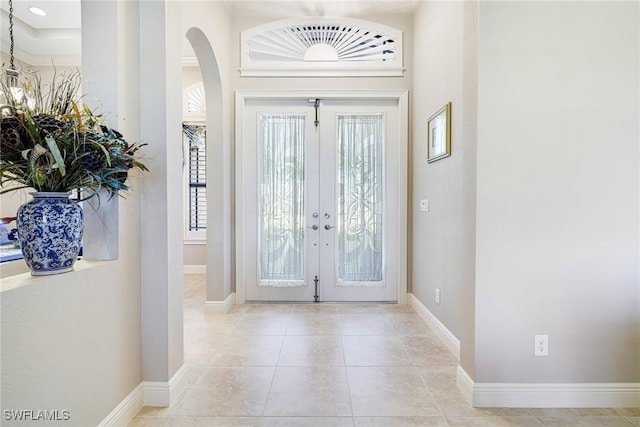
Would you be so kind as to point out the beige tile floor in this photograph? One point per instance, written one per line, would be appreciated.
(331, 365)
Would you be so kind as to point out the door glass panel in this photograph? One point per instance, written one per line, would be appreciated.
(281, 182)
(360, 199)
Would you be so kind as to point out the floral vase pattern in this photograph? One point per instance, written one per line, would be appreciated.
(50, 232)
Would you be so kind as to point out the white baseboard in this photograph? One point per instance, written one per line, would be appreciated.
(465, 384)
(147, 393)
(194, 269)
(126, 410)
(163, 394)
(553, 395)
(220, 307)
(450, 340)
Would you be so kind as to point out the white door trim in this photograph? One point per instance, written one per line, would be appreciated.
(401, 96)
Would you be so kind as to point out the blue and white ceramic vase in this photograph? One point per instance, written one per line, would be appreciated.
(50, 232)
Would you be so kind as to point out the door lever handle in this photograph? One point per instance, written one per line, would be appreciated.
(329, 227)
(313, 227)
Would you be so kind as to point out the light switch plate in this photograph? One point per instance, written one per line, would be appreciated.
(424, 205)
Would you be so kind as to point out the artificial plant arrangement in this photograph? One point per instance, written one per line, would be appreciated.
(51, 142)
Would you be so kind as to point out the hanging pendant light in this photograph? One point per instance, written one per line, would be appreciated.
(12, 75)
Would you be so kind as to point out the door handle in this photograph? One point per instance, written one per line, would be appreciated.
(313, 227)
(329, 227)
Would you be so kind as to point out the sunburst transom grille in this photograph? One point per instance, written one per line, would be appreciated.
(322, 46)
(194, 100)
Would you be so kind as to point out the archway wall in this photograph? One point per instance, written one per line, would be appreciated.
(207, 28)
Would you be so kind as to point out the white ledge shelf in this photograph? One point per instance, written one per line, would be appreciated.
(18, 275)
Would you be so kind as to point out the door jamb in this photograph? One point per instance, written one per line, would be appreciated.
(401, 96)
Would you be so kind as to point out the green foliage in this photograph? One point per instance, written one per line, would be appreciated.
(51, 142)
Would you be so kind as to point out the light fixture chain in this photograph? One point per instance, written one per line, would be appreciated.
(11, 66)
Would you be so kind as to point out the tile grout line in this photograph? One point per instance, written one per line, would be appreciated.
(275, 369)
(346, 374)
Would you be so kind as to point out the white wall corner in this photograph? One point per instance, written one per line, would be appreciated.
(220, 307)
(194, 269)
(126, 410)
(449, 340)
(163, 394)
(465, 384)
(554, 395)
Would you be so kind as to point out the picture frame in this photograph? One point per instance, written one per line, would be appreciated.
(439, 134)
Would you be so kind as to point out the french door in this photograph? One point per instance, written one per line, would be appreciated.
(319, 193)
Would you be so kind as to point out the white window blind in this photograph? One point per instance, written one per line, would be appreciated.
(195, 142)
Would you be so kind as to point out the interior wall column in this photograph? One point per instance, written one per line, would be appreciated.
(160, 127)
(102, 86)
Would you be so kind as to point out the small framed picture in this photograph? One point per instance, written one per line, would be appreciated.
(439, 134)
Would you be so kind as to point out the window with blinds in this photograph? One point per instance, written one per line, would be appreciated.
(195, 144)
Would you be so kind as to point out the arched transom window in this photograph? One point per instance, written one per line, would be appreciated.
(321, 46)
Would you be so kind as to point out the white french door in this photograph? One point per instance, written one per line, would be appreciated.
(319, 191)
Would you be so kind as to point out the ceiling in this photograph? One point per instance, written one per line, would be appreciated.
(39, 40)
(291, 8)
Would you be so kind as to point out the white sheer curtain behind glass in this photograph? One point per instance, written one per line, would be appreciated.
(281, 200)
(360, 199)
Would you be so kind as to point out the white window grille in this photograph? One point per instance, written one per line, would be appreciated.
(321, 46)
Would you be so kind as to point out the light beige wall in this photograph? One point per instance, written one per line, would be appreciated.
(72, 342)
(10, 202)
(558, 192)
(195, 254)
(443, 240)
(190, 75)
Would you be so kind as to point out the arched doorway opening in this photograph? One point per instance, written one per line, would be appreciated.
(218, 233)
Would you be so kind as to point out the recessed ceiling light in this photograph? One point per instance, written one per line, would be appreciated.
(37, 11)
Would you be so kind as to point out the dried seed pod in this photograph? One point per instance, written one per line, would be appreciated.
(14, 138)
(93, 159)
(49, 124)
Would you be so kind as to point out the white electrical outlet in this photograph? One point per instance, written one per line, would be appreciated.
(437, 296)
(541, 345)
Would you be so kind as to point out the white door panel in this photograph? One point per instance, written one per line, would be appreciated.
(320, 202)
(269, 227)
(361, 264)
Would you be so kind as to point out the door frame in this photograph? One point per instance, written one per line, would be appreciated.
(402, 97)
